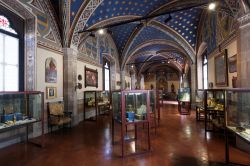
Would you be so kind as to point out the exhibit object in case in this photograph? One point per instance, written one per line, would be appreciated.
(22, 109)
(133, 108)
(214, 106)
(238, 117)
(90, 106)
(184, 101)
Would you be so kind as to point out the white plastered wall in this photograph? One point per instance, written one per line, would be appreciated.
(231, 50)
(42, 55)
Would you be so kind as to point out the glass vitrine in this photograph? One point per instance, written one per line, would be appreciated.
(184, 101)
(19, 109)
(131, 109)
(199, 105)
(237, 119)
(136, 106)
(238, 112)
(103, 102)
(214, 103)
(90, 106)
(153, 108)
(117, 106)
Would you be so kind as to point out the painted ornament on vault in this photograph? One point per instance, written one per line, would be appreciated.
(50, 70)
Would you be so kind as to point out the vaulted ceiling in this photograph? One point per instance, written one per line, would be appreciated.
(150, 40)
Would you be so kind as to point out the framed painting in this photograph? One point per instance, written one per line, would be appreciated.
(51, 92)
(91, 77)
(221, 77)
(232, 64)
(50, 70)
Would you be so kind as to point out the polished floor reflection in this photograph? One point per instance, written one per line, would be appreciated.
(180, 141)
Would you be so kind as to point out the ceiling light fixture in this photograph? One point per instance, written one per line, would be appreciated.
(101, 31)
(212, 6)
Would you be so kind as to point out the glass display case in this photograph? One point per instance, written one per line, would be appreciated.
(214, 105)
(90, 106)
(132, 108)
(184, 101)
(159, 103)
(153, 108)
(20, 109)
(103, 102)
(199, 105)
(238, 118)
(238, 112)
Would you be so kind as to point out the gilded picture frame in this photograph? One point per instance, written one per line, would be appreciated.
(51, 92)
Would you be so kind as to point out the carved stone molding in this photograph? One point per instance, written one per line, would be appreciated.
(87, 12)
(244, 19)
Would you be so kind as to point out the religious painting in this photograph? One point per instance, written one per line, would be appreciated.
(50, 70)
(91, 77)
(221, 78)
(232, 64)
(51, 92)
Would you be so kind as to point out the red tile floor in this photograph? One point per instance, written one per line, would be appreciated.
(180, 141)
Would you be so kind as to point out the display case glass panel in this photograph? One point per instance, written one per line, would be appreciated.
(238, 112)
(116, 106)
(215, 99)
(214, 103)
(20, 108)
(135, 106)
(90, 109)
(103, 101)
(152, 97)
(184, 94)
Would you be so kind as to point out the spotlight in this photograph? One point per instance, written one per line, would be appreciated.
(101, 31)
(212, 6)
(168, 19)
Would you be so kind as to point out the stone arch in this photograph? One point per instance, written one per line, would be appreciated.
(157, 41)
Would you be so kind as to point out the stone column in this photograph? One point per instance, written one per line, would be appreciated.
(243, 59)
(69, 82)
(142, 82)
(122, 75)
(133, 81)
(193, 84)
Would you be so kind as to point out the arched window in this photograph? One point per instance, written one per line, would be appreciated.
(9, 56)
(204, 70)
(106, 74)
